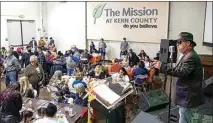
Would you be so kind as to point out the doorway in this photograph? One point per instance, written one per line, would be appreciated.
(20, 32)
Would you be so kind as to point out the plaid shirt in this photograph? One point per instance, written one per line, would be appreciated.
(41, 59)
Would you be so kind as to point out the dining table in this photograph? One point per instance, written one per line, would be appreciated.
(77, 114)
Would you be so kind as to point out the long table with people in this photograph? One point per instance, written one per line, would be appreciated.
(66, 113)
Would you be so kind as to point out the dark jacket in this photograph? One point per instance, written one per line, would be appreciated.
(16, 54)
(133, 59)
(140, 71)
(79, 99)
(54, 68)
(9, 110)
(101, 76)
(190, 77)
(25, 59)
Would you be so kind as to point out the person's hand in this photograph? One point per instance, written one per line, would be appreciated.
(156, 64)
(40, 83)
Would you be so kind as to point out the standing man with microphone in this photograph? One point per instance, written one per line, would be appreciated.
(189, 71)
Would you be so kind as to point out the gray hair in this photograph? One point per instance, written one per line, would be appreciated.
(33, 58)
(58, 74)
(79, 88)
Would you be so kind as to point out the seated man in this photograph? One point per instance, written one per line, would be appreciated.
(85, 56)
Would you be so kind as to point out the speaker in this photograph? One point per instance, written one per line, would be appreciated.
(153, 99)
(174, 115)
(164, 50)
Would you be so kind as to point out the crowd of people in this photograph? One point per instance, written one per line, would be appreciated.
(43, 66)
(42, 61)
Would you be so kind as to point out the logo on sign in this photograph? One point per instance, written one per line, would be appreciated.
(97, 12)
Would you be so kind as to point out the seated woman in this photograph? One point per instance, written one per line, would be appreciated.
(49, 115)
(140, 70)
(56, 78)
(78, 79)
(11, 104)
(142, 55)
(115, 67)
(78, 70)
(26, 116)
(63, 90)
(26, 88)
(125, 62)
(121, 76)
(97, 73)
(79, 96)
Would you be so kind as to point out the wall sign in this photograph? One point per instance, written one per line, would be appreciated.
(137, 21)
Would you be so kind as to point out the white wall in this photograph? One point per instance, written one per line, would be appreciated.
(184, 16)
(30, 10)
(66, 24)
(189, 16)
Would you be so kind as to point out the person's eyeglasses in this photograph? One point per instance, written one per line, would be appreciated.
(179, 42)
(32, 61)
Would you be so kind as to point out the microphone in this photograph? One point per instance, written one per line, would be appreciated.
(171, 50)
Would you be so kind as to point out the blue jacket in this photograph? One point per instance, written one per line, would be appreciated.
(79, 99)
(78, 81)
(140, 71)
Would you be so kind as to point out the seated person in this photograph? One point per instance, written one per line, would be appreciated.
(85, 55)
(140, 70)
(97, 73)
(125, 62)
(133, 58)
(41, 112)
(78, 70)
(78, 79)
(56, 78)
(63, 90)
(49, 115)
(26, 116)
(115, 67)
(79, 96)
(26, 89)
(121, 76)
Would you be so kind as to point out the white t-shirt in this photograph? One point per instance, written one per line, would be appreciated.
(117, 77)
(47, 120)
